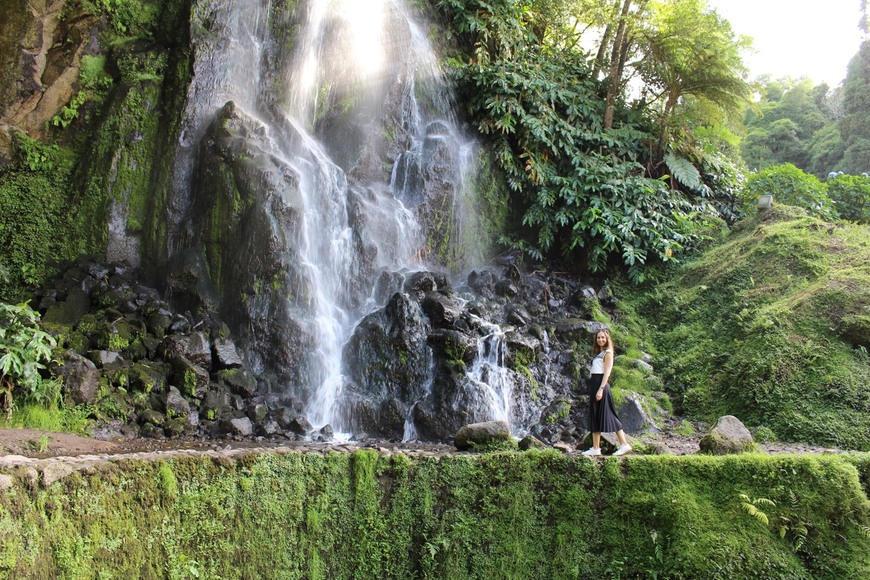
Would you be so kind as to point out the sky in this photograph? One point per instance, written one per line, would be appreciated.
(797, 38)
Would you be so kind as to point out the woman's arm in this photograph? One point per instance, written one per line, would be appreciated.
(608, 366)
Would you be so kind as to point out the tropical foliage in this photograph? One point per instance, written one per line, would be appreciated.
(817, 128)
(24, 347)
(594, 181)
(851, 197)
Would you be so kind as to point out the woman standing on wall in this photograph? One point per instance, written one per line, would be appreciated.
(602, 413)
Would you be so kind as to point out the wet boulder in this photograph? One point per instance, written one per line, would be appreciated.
(192, 379)
(442, 310)
(387, 358)
(293, 422)
(242, 427)
(194, 347)
(175, 404)
(148, 376)
(238, 380)
(418, 284)
(226, 356)
(482, 282)
(80, 377)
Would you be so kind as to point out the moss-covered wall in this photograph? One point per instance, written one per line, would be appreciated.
(499, 515)
(113, 142)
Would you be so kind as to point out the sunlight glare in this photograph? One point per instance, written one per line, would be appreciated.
(366, 22)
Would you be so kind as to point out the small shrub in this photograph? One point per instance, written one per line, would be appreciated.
(851, 197)
(790, 186)
(24, 346)
(685, 429)
(764, 434)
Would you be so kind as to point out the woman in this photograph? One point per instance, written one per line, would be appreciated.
(602, 414)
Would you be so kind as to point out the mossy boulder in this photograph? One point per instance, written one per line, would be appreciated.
(80, 376)
(482, 435)
(729, 435)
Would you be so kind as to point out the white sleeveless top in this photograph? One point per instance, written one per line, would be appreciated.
(598, 362)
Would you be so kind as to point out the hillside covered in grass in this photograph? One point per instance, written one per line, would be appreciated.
(772, 325)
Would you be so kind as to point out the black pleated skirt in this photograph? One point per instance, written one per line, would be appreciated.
(602, 414)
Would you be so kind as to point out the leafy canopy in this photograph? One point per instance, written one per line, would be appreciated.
(583, 190)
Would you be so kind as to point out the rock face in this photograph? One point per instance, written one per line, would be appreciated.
(729, 435)
(152, 366)
(235, 330)
(42, 43)
(388, 363)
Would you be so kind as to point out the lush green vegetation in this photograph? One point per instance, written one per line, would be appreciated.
(33, 204)
(54, 197)
(594, 176)
(24, 348)
(503, 515)
(790, 186)
(772, 326)
(817, 128)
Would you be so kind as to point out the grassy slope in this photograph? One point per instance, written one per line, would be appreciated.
(772, 325)
(498, 515)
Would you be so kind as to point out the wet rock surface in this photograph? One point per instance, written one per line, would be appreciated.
(439, 355)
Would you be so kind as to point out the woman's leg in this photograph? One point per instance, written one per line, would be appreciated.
(620, 436)
(596, 440)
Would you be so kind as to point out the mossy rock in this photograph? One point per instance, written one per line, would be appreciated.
(727, 437)
(483, 436)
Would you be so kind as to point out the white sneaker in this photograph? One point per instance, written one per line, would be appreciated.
(591, 452)
(623, 449)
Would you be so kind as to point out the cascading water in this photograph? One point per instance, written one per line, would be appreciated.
(489, 374)
(349, 177)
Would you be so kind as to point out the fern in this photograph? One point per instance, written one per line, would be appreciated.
(750, 506)
(683, 171)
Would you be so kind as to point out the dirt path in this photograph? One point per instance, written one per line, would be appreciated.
(34, 443)
(44, 444)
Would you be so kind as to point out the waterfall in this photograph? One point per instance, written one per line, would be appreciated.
(353, 170)
(489, 376)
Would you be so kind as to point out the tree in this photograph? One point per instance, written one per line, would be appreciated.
(783, 125)
(618, 55)
(691, 51)
(579, 187)
(855, 123)
(826, 150)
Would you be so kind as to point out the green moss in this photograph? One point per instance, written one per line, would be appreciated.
(758, 327)
(504, 515)
(34, 229)
(685, 429)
